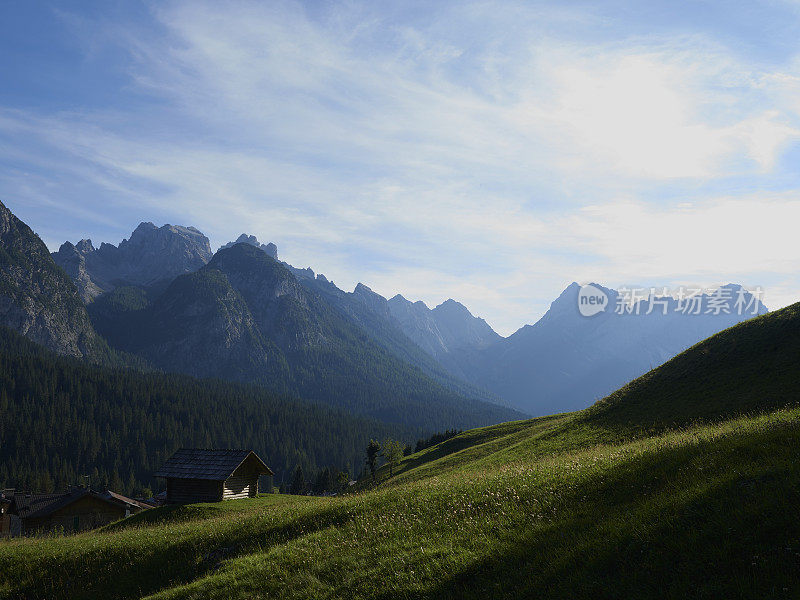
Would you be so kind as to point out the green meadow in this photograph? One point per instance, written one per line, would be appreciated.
(683, 484)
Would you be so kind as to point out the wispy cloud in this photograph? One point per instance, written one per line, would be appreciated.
(491, 152)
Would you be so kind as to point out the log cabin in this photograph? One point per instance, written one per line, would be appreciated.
(196, 475)
(68, 512)
(7, 520)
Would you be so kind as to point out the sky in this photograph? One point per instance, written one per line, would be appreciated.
(491, 152)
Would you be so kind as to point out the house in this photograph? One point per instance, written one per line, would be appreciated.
(9, 524)
(76, 510)
(195, 475)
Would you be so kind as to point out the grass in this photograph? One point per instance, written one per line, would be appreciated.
(663, 490)
(706, 511)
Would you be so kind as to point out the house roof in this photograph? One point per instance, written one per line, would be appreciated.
(28, 506)
(109, 495)
(39, 505)
(216, 465)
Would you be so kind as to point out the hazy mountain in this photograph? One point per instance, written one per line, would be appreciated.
(37, 298)
(567, 361)
(244, 316)
(563, 362)
(151, 256)
(446, 328)
(370, 312)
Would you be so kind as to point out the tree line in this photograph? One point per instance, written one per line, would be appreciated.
(63, 421)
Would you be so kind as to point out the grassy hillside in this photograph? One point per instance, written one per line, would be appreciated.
(750, 367)
(619, 501)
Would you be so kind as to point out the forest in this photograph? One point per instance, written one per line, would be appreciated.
(64, 422)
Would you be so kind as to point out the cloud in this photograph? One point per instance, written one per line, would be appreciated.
(461, 151)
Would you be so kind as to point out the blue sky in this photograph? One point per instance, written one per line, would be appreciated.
(492, 152)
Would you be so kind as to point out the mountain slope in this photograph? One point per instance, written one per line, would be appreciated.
(371, 313)
(37, 298)
(751, 368)
(699, 501)
(202, 326)
(567, 361)
(245, 317)
(446, 328)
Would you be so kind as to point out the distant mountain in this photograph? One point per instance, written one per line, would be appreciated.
(448, 327)
(566, 361)
(38, 299)
(151, 256)
(244, 316)
(371, 312)
(563, 362)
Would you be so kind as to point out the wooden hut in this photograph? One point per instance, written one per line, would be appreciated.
(7, 520)
(69, 512)
(195, 475)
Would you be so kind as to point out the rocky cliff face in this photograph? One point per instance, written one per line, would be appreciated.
(151, 255)
(201, 325)
(37, 298)
(281, 306)
(72, 258)
(234, 318)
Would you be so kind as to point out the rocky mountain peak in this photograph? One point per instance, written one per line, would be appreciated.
(66, 248)
(452, 307)
(270, 248)
(84, 246)
(363, 290)
(143, 229)
(447, 327)
(151, 254)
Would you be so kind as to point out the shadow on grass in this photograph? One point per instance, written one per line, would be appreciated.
(729, 530)
(164, 515)
(120, 572)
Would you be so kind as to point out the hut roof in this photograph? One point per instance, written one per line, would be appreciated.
(108, 494)
(216, 465)
(34, 505)
(28, 506)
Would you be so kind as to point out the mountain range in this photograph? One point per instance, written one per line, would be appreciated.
(245, 315)
(237, 315)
